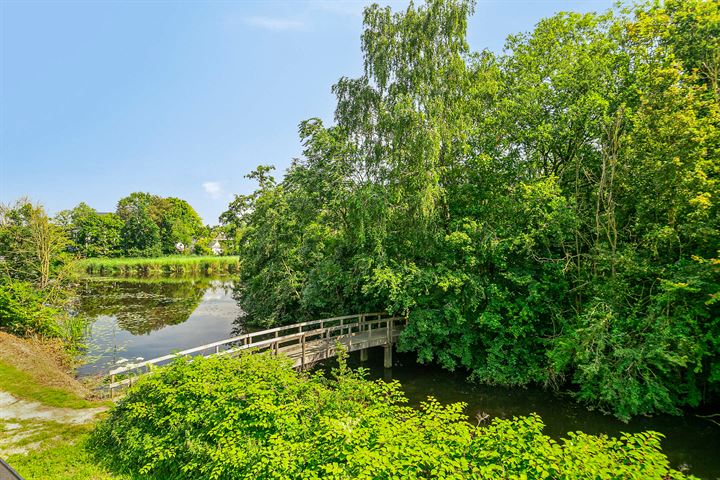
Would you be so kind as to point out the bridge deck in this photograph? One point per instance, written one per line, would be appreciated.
(317, 350)
(306, 343)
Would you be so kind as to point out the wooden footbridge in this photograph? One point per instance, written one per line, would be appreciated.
(306, 343)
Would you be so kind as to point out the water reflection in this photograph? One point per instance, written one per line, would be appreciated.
(152, 317)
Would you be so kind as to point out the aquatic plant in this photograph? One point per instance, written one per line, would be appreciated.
(170, 265)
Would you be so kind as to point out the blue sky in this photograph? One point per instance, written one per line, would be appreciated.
(102, 98)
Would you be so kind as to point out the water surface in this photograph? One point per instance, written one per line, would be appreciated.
(149, 318)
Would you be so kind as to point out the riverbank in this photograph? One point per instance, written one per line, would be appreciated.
(170, 265)
(45, 414)
(53, 414)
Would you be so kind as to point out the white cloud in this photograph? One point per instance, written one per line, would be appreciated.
(276, 24)
(354, 8)
(213, 188)
(341, 7)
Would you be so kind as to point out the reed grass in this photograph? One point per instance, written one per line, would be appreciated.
(170, 265)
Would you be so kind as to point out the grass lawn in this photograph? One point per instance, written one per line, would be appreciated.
(67, 459)
(23, 385)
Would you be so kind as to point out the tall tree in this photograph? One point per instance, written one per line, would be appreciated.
(140, 232)
(93, 234)
(548, 214)
(31, 246)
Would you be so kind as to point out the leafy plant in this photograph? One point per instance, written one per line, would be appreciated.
(255, 417)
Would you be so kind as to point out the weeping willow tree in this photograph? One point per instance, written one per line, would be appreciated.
(545, 215)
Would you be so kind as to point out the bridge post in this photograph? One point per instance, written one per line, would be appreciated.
(387, 360)
(302, 359)
(361, 331)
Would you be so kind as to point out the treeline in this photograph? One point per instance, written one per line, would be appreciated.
(545, 215)
(143, 225)
(38, 256)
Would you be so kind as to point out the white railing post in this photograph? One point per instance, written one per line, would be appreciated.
(302, 350)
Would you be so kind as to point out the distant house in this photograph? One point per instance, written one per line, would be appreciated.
(215, 245)
(216, 248)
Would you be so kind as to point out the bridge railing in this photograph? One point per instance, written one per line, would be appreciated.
(293, 339)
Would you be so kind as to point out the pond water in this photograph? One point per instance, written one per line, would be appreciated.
(152, 317)
(149, 318)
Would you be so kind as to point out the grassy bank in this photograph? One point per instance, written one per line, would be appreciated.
(39, 370)
(23, 385)
(47, 417)
(66, 459)
(171, 265)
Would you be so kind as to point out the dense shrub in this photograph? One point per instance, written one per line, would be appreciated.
(202, 247)
(256, 417)
(27, 311)
(24, 310)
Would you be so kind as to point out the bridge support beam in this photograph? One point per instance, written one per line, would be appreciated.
(363, 354)
(387, 361)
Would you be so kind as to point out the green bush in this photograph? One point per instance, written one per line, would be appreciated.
(24, 310)
(256, 417)
(202, 247)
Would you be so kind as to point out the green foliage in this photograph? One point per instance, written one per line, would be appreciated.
(144, 225)
(548, 214)
(155, 225)
(34, 272)
(179, 223)
(202, 247)
(32, 246)
(140, 232)
(256, 417)
(24, 310)
(93, 234)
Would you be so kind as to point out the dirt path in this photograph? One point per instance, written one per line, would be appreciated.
(33, 370)
(12, 408)
(23, 421)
